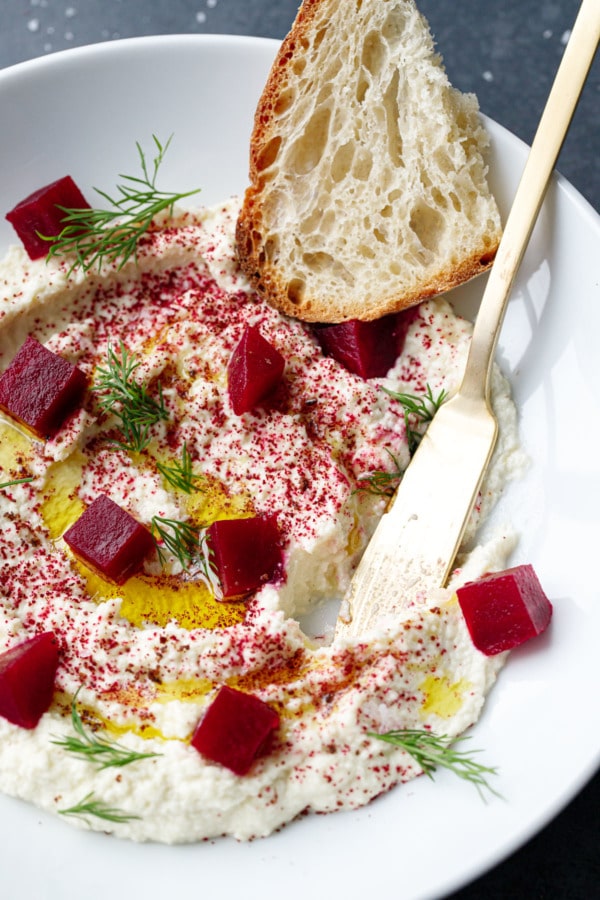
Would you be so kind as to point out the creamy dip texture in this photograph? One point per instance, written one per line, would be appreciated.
(148, 658)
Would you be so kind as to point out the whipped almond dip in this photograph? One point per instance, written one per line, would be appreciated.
(147, 658)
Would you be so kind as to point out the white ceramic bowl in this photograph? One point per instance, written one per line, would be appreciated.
(80, 113)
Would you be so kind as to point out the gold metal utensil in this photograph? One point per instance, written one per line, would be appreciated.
(414, 546)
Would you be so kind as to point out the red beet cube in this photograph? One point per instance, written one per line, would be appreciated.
(247, 553)
(40, 388)
(367, 349)
(40, 214)
(254, 371)
(109, 540)
(234, 730)
(27, 674)
(504, 609)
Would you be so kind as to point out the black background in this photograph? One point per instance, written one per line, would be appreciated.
(507, 53)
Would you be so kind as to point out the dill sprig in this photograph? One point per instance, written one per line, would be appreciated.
(418, 411)
(381, 483)
(179, 474)
(190, 545)
(129, 401)
(101, 751)
(94, 235)
(204, 566)
(181, 539)
(431, 750)
(91, 806)
(6, 484)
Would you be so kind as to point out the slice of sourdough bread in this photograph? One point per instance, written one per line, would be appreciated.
(368, 187)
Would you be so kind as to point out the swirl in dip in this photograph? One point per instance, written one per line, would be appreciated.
(148, 658)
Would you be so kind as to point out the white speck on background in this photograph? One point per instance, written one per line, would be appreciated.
(211, 3)
(547, 33)
(33, 24)
(70, 11)
(487, 75)
(68, 35)
(201, 17)
(565, 36)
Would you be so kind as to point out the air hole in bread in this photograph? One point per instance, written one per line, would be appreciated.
(295, 291)
(455, 201)
(307, 151)
(393, 27)
(269, 251)
(284, 101)
(325, 93)
(374, 54)
(472, 209)
(333, 67)
(318, 38)
(366, 252)
(268, 154)
(320, 262)
(442, 160)
(328, 222)
(392, 114)
(428, 225)
(362, 86)
(311, 223)
(298, 66)
(439, 199)
(363, 163)
(342, 162)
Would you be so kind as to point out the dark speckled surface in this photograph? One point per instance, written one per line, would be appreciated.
(507, 53)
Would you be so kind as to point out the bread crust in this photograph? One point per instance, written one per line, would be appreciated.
(303, 294)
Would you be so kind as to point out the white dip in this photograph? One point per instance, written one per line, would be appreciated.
(148, 658)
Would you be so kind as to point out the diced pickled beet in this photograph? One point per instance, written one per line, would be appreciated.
(109, 540)
(254, 371)
(27, 674)
(367, 349)
(40, 388)
(247, 553)
(40, 214)
(235, 729)
(504, 609)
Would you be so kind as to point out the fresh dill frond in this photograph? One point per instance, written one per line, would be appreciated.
(95, 235)
(181, 539)
(204, 566)
(418, 411)
(431, 751)
(91, 806)
(190, 545)
(180, 474)
(122, 396)
(6, 484)
(101, 751)
(381, 483)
